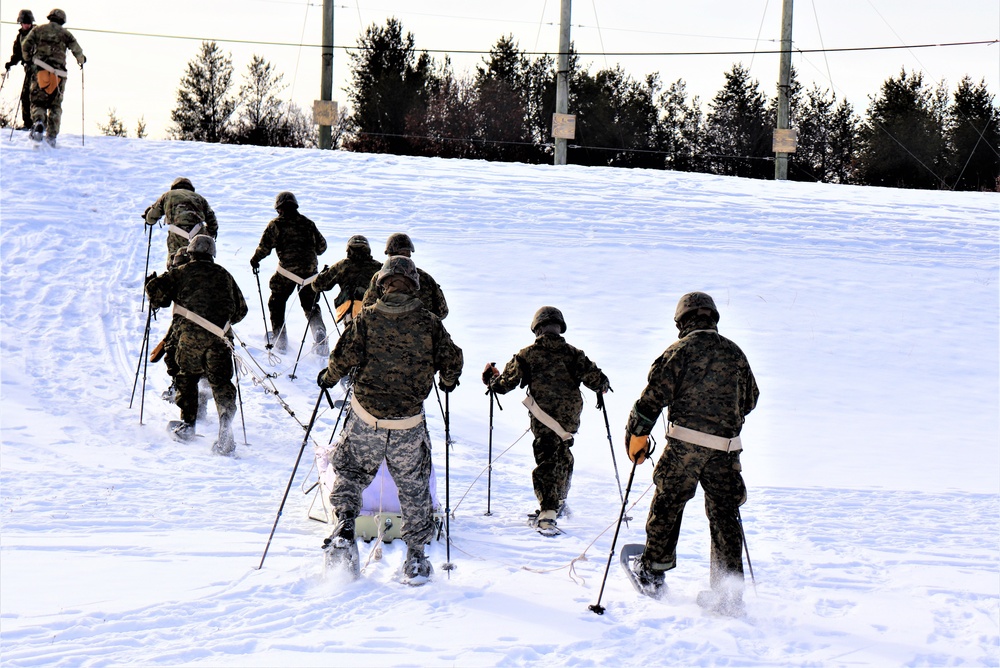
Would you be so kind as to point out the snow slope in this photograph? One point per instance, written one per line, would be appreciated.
(871, 318)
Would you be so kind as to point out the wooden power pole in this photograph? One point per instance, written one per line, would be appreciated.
(562, 82)
(325, 110)
(784, 139)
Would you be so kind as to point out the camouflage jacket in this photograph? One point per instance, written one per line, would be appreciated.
(352, 274)
(185, 209)
(706, 381)
(429, 293)
(553, 370)
(296, 240)
(200, 286)
(48, 43)
(396, 345)
(17, 55)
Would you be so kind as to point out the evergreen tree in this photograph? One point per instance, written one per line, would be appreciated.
(204, 104)
(448, 126)
(973, 130)
(737, 132)
(681, 129)
(140, 128)
(903, 142)
(389, 89)
(114, 127)
(260, 114)
(827, 139)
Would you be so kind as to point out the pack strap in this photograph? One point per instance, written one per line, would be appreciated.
(383, 423)
(294, 278)
(45, 66)
(705, 440)
(545, 418)
(203, 322)
(180, 231)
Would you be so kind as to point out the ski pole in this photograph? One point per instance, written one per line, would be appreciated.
(312, 421)
(14, 122)
(239, 395)
(143, 357)
(83, 118)
(145, 272)
(597, 607)
(448, 566)
(746, 548)
(263, 314)
(333, 314)
(607, 426)
(302, 345)
(3, 82)
(489, 468)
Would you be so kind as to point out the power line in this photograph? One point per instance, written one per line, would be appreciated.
(742, 52)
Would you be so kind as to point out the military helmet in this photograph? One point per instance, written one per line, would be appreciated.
(398, 242)
(57, 16)
(182, 183)
(25, 16)
(399, 265)
(547, 315)
(693, 301)
(284, 199)
(202, 243)
(358, 241)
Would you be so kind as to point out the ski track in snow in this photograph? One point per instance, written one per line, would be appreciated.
(871, 462)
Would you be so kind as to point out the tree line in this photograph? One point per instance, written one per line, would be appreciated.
(914, 134)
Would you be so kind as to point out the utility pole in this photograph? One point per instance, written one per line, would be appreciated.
(326, 82)
(562, 77)
(783, 138)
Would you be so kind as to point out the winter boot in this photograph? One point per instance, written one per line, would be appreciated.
(417, 567)
(204, 391)
(37, 131)
(170, 394)
(650, 580)
(320, 345)
(180, 430)
(545, 523)
(51, 141)
(341, 549)
(280, 341)
(226, 445)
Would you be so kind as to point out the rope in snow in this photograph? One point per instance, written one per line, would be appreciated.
(486, 468)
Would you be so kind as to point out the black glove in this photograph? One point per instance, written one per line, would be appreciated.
(83, 59)
(7, 67)
(255, 264)
(323, 379)
(149, 278)
(445, 387)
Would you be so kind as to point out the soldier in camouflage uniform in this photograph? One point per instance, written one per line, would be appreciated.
(297, 242)
(206, 301)
(352, 275)
(706, 381)
(552, 370)
(45, 48)
(27, 21)
(188, 215)
(429, 292)
(393, 349)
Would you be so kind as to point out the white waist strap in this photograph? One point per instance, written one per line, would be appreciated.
(545, 418)
(198, 320)
(383, 423)
(180, 231)
(45, 66)
(705, 440)
(295, 279)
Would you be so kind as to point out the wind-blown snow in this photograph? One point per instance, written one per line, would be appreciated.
(871, 318)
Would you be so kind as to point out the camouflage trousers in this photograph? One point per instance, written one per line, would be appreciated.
(47, 108)
(681, 467)
(407, 452)
(281, 290)
(553, 466)
(203, 354)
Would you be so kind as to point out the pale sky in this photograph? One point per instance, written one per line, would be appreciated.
(138, 74)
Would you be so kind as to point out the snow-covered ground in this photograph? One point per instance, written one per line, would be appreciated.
(871, 318)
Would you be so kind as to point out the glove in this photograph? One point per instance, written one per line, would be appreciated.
(323, 379)
(637, 447)
(490, 372)
(255, 264)
(445, 387)
(82, 60)
(149, 278)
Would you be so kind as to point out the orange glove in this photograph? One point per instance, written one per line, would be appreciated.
(637, 447)
(490, 372)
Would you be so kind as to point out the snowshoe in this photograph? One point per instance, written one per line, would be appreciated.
(724, 602)
(226, 444)
(51, 141)
(37, 132)
(181, 431)
(170, 394)
(342, 553)
(279, 342)
(544, 523)
(646, 581)
(417, 568)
